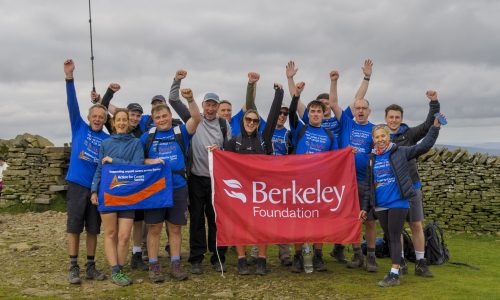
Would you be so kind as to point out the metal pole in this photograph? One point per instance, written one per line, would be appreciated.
(91, 48)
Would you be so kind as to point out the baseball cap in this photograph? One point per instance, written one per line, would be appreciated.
(211, 96)
(158, 98)
(135, 107)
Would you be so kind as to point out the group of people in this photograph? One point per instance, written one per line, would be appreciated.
(386, 173)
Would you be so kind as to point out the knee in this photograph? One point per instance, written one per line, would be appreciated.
(370, 225)
(174, 229)
(123, 237)
(155, 229)
(110, 233)
(416, 227)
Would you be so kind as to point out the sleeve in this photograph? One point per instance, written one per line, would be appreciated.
(250, 96)
(348, 112)
(98, 171)
(418, 132)
(424, 146)
(293, 117)
(106, 99)
(230, 145)
(174, 91)
(272, 120)
(74, 110)
(179, 107)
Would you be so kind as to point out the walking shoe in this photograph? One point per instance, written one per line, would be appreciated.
(318, 263)
(298, 263)
(74, 275)
(137, 263)
(155, 273)
(286, 261)
(261, 266)
(121, 279)
(389, 280)
(403, 267)
(357, 261)
(92, 273)
(196, 268)
(176, 270)
(371, 264)
(242, 266)
(217, 267)
(338, 253)
(252, 260)
(421, 268)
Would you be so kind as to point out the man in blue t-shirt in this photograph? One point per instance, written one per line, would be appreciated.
(357, 134)
(86, 140)
(163, 145)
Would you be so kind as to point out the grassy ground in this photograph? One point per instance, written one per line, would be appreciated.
(39, 269)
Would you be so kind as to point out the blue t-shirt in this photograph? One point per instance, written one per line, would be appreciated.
(165, 147)
(359, 137)
(315, 139)
(387, 194)
(331, 123)
(85, 143)
(144, 121)
(280, 141)
(236, 123)
(418, 184)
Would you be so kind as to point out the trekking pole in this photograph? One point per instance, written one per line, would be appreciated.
(91, 48)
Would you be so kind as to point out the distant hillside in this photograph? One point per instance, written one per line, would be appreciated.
(490, 148)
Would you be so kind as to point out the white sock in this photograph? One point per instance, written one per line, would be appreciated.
(419, 255)
(402, 253)
(395, 271)
(136, 249)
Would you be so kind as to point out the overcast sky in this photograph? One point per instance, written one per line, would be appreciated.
(450, 46)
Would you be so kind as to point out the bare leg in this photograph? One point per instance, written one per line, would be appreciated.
(124, 229)
(110, 224)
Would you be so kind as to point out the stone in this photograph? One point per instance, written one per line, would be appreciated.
(42, 200)
(22, 247)
(58, 188)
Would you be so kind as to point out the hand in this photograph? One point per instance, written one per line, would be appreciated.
(107, 160)
(354, 150)
(212, 147)
(95, 97)
(187, 94)
(290, 69)
(69, 67)
(93, 199)
(278, 86)
(432, 95)
(253, 77)
(300, 87)
(180, 74)
(334, 75)
(436, 120)
(367, 67)
(152, 161)
(115, 87)
(362, 215)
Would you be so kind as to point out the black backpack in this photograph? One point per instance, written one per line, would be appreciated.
(436, 250)
(408, 248)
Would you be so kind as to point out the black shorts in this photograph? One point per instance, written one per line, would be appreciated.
(81, 212)
(121, 214)
(176, 214)
(139, 215)
(370, 214)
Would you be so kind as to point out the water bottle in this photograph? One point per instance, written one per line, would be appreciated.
(308, 259)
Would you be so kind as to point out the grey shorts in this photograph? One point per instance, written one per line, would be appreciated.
(370, 214)
(81, 212)
(176, 214)
(416, 211)
(121, 214)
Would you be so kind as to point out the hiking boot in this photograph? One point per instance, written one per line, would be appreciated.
(196, 268)
(338, 253)
(137, 263)
(371, 264)
(177, 272)
(286, 261)
(298, 263)
(252, 260)
(403, 267)
(121, 279)
(261, 266)
(421, 269)
(357, 261)
(242, 266)
(218, 268)
(74, 275)
(318, 263)
(389, 280)
(155, 273)
(92, 273)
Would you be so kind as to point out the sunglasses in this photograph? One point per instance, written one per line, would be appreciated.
(250, 120)
(285, 113)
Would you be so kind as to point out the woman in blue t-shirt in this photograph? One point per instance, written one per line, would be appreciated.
(389, 187)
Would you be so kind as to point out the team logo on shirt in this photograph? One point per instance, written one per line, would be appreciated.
(235, 184)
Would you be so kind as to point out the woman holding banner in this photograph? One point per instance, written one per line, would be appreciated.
(121, 148)
(249, 141)
(389, 188)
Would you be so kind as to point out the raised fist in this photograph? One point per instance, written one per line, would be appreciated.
(115, 87)
(187, 93)
(180, 74)
(278, 86)
(367, 67)
(253, 77)
(290, 69)
(432, 95)
(334, 75)
(69, 67)
(95, 97)
(300, 86)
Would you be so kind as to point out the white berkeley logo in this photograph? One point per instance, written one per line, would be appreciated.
(235, 184)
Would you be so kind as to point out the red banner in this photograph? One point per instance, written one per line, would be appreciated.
(265, 199)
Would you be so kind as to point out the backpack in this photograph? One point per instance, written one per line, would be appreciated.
(381, 247)
(408, 248)
(303, 131)
(178, 138)
(436, 250)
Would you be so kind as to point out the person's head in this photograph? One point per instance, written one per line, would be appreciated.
(135, 113)
(315, 112)
(162, 117)
(282, 117)
(121, 120)
(393, 117)
(98, 114)
(361, 111)
(225, 110)
(210, 105)
(251, 121)
(158, 99)
(381, 136)
(324, 98)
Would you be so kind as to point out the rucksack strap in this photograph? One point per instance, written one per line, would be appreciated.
(302, 131)
(178, 139)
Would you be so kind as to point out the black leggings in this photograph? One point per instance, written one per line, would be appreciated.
(392, 221)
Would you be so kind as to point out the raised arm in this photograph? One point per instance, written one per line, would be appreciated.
(333, 98)
(173, 97)
(291, 70)
(71, 101)
(272, 118)
(253, 77)
(363, 88)
(418, 132)
(293, 119)
(106, 99)
(427, 143)
(195, 116)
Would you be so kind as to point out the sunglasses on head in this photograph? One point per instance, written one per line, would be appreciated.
(285, 113)
(250, 120)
